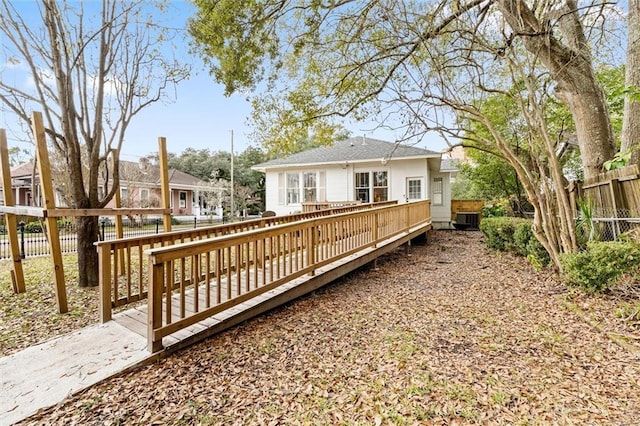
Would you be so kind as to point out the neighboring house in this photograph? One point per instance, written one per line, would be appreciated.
(21, 178)
(139, 187)
(359, 169)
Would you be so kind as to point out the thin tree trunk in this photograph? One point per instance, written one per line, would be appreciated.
(88, 233)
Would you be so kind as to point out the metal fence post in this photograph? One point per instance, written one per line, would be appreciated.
(103, 222)
(21, 228)
(157, 225)
(195, 222)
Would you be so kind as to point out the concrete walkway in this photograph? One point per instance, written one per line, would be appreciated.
(44, 375)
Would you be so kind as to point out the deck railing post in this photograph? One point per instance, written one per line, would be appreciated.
(376, 221)
(407, 217)
(104, 282)
(154, 312)
(313, 242)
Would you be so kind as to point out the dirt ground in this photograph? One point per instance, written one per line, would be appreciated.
(452, 334)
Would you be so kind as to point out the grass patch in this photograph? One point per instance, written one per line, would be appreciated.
(32, 317)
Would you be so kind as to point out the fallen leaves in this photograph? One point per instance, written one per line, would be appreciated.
(453, 334)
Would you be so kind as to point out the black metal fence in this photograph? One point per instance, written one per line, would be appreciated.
(33, 240)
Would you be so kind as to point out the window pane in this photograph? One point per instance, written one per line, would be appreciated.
(310, 190)
(437, 191)
(362, 187)
(379, 179)
(362, 180)
(380, 190)
(380, 194)
(293, 188)
(414, 189)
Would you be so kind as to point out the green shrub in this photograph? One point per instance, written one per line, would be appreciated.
(514, 235)
(500, 232)
(33, 227)
(497, 208)
(598, 268)
(521, 237)
(528, 245)
(65, 223)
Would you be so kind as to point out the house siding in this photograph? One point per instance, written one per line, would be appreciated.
(340, 181)
(441, 214)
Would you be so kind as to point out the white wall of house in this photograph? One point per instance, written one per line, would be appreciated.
(406, 179)
(440, 194)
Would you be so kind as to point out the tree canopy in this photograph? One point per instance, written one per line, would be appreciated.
(215, 167)
(413, 65)
(430, 66)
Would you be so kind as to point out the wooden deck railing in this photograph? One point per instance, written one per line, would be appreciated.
(123, 267)
(324, 205)
(192, 281)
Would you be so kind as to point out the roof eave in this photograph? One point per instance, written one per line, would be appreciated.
(263, 169)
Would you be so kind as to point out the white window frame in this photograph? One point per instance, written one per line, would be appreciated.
(360, 190)
(182, 202)
(412, 194)
(309, 192)
(372, 188)
(376, 188)
(293, 188)
(437, 191)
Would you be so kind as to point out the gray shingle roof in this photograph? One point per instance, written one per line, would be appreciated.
(129, 171)
(448, 165)
(352, 149)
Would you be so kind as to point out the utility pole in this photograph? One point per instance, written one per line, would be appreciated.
(232, 187)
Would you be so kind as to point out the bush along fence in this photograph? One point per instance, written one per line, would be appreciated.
(34, 241)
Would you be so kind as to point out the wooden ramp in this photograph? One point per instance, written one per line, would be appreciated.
(136, 319)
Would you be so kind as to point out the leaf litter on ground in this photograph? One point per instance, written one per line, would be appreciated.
(452, 334)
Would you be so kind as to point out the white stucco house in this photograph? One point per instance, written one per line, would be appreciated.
(360, 169)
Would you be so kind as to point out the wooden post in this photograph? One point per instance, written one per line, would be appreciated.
(164, 181)
(17, 274)
(154, 312)
(118, 218)
(376, 231)
(44, 171)
(312, 244)
(104, 257)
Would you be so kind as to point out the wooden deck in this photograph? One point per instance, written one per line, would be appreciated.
(136, 319)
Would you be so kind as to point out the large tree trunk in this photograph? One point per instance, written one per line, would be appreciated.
(586, 101)
(569, 62)
(631, 123)
(88, 233)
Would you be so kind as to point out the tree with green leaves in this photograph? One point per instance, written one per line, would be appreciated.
(215, 167)
(92, 67)
(490, 177)
(428, 66)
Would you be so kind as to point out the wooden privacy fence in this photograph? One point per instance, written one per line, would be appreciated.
(123, 273)
(192, 281)
(615, 198)
(616, 192)
(466, 206)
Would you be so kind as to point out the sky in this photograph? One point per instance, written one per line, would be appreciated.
(200, 117)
